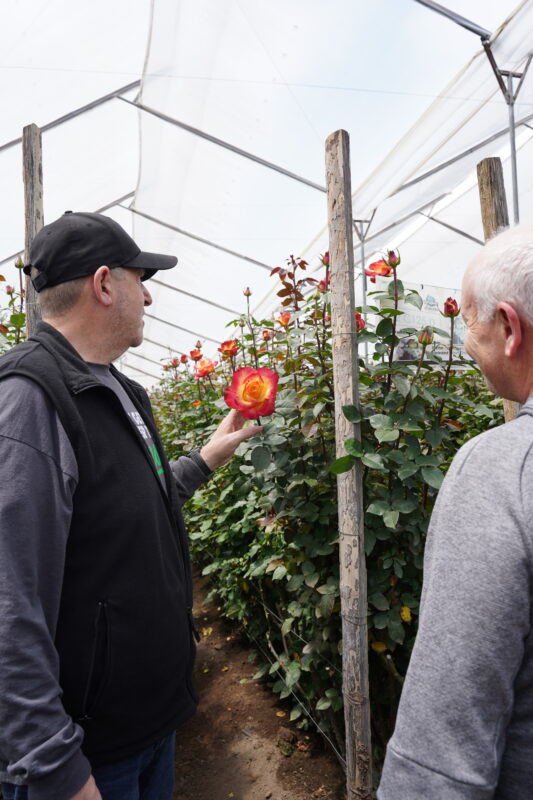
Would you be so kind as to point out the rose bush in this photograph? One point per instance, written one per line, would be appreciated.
(264, 528)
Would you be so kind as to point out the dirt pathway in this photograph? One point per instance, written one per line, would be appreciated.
(232, 748)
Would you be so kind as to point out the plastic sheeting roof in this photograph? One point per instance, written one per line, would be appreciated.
(272, 80)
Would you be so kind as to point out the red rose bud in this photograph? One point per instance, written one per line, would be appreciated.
(425, 336)
(380, 268)
(183, 359)
(204, 367)
(198, 345)
(393, 258)
(247, 292)
(174, 362)
(267, 335)
(284, 318)
(252, 392)
(323, 285)
(359, 321)
(196, 355)
(229, 348)
(325, 258)
(165, 367)
(451, 309)
(9, 289)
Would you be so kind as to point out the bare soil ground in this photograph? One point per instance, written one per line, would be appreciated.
(233, 749)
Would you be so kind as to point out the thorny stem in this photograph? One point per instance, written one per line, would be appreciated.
(393, 343)
(248, 319)
(447, 373)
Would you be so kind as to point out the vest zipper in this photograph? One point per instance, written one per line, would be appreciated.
(101, 616)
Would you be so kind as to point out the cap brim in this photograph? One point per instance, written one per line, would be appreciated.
(151, 262)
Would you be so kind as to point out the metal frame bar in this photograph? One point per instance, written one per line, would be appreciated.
(462, 21)
(461, 155)
(164, 346)
(88, 107)
(142, 371)
(452, 228)
(194, 296)
(146, 358)
(405, 218)
(186, 330)
(98, 211)
(226, 145)
(197, 238)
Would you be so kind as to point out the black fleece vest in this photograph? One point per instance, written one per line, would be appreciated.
(124, 633)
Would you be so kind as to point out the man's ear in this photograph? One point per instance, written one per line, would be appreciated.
(511, 326)
(101, 284)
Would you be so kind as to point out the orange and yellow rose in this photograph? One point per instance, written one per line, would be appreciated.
(378, 268)
(252, 392)
(229, 348)
(204, 367)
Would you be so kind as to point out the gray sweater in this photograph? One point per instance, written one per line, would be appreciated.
(465, 722)
(40, 745)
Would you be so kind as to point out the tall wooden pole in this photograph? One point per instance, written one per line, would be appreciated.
(495, 218)
(353, 584)
(32, 167)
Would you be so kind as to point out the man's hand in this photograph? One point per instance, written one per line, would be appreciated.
(226, 439)
(89, 791)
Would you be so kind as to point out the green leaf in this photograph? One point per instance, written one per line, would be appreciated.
(373, 461)
(415, 299)
(435, 436)
(352, 413)
(401, 384)
(342, 464)
(323, 704)
(17, 320)
(292, 674)
(378, 507)
(396, 631)
(295, 713)
(279, 573)
(353, 447)
(390, 518)
(384, 328)
(261, 457)
(379, 601)
(287, 625)
(387, 435)
(432, 476)
(380, 421)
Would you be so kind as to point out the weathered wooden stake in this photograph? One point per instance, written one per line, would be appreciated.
(32, 167)
(495, 218)
(353, 587)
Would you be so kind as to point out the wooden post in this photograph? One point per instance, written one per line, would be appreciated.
(353, 584)
(495, 219)
(32, 167)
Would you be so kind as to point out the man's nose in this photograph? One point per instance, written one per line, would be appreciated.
(147, 296)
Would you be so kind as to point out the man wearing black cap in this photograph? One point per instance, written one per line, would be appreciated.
(96, 629)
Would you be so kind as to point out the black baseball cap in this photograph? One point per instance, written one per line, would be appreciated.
(78, 243)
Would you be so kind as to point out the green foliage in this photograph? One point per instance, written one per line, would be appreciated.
(12, 316)
(265, 527)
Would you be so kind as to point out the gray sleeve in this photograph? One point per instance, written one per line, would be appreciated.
(39, 742)
(475, 616)
(189, 472)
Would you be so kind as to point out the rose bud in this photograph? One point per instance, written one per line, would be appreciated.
(393, 258)
(247, 292)
(174, 362)
(183, 359)
(9, 289)
(196, 355)
(425, 336)
(252, 392)
(325, 258)
(267, 335)
(451, 309)
(359, 321)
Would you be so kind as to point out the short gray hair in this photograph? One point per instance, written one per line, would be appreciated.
(59, 300)
(503, 272)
